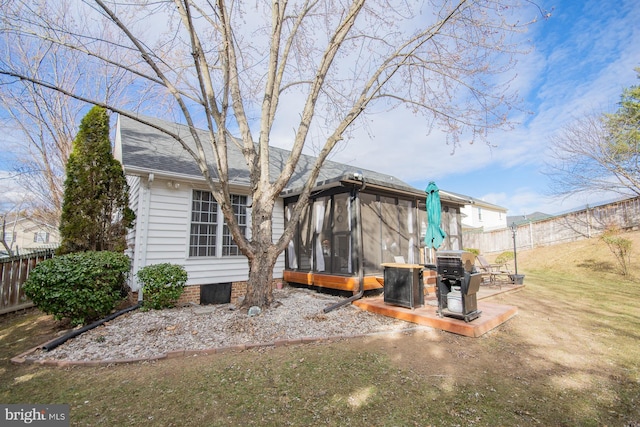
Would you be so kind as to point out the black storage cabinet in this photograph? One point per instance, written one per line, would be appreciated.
(403, 285)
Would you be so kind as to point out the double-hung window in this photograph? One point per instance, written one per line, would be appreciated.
(204, 224)
(9, 237)
(41, 237)
(207, 224)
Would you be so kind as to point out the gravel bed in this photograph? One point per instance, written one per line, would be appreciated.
(296, 313)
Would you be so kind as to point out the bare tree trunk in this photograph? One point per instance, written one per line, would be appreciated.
(263, 256)
(260, 278)
(4, 237)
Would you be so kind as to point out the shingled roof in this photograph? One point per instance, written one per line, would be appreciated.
(145, 149)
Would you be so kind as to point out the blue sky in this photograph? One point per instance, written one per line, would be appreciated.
(583, 56)
(582, 59)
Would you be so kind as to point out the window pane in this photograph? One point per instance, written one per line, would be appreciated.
(202, 241)
(239, 206)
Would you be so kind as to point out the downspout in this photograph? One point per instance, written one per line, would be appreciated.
(145, 229)
(55, 343)
(359, 248)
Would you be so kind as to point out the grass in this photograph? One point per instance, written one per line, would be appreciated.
(570, 358)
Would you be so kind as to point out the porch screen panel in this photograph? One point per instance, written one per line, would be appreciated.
(372, 239)
(453, 229)
(406, 229)
(391, 243)
(422, 231)
(322, 223)
(305, 240)
(291, 258)
(299, 250)
(341, 247)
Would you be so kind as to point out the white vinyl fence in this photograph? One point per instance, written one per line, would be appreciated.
(576, 225)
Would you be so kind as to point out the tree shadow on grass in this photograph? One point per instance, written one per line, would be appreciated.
(596, 265)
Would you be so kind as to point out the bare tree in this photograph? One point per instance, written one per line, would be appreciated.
(239, 69)
(599, 152)
(7, 244)
(11, 216)
(43, 121)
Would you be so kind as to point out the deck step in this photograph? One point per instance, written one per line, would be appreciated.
(493, 315)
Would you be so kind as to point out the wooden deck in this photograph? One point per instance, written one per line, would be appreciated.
(491, 317)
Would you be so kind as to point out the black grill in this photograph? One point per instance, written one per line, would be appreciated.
(457, 273)
(453, 264)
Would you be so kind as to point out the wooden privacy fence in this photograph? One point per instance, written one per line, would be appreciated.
(13, 273)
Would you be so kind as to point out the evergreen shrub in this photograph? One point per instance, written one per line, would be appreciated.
(82, 287)
(162, 285)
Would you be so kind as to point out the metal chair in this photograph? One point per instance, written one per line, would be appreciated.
(493, 274)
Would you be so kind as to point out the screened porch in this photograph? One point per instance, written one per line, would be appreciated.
(352, 225)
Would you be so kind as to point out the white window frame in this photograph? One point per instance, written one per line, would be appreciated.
(41, 237)
(222, 244)
(12, 235)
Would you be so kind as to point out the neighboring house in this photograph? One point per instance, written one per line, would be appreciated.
(482, 215)
(526, 219)
(23, 234)
(178, 221)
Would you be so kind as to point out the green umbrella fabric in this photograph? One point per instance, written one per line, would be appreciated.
(434, 236)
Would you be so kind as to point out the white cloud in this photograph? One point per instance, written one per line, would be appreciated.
(11, 193)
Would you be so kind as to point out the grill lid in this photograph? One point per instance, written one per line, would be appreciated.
(455, 262)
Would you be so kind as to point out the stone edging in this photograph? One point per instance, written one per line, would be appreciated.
(24, 358)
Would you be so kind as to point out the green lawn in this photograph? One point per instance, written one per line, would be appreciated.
(570, 357)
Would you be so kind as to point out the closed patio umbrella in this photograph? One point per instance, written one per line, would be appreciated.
(434, 236)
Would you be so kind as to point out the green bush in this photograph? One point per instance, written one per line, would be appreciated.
(82, 287)
(474, 251)
(619, 247)
(504, 257)
(162, 285)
